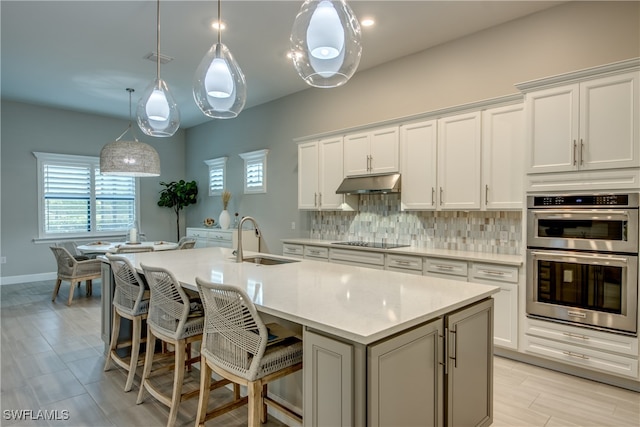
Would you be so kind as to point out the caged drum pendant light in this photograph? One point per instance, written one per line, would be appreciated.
(326, 43)
(219, 87)
(129, 158)
(157, 111)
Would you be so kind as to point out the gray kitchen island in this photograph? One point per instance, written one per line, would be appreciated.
(380, 347)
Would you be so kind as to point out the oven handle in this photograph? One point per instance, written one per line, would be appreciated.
(590, 213)
(578, 256)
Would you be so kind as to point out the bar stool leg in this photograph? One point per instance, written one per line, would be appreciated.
(178, 378)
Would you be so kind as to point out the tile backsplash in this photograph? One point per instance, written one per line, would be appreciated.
(380, 219)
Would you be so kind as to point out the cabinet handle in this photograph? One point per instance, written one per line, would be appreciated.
(493, 272)
(433, 196)
(440, 196)
(319, 199)
(315, 199)
(570, 335)
(444, 267)
(578, 355)
(486, 194)
(369, 163)
(452, 353)
(401, 262)
(575, 158)
(445, 354)
(581, 152)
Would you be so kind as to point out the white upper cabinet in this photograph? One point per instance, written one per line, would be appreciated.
(459, 145)
(418, 165)
(320, 172)
(588, 125)
(371, 152)
(503, 141)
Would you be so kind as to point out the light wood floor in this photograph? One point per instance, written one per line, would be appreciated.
(52, 359)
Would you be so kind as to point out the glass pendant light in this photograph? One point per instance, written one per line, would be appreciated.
(219, 87)
(157, 111)
(129, 158)
(326, 43)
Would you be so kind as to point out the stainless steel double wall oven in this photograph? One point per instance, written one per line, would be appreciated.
(582, 260)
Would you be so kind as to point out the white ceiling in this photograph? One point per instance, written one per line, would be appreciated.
(81, 55)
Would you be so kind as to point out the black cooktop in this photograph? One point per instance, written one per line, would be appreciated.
(377, 245)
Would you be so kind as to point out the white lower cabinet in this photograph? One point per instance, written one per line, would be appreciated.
(317, 253)
(446, 268)
(403, 263)
(505, 329)
(603, 351)
(357, 258)
(213, 237)
(439, 373)
(293, 250)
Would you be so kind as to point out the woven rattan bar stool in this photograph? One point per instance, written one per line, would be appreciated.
(169, 320)
(238, 346)
(130, 301)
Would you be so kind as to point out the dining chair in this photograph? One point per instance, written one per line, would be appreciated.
(238, 346)
(74, 271)
(72, 247)
(170, 320)
(130, 301)
(186, 243)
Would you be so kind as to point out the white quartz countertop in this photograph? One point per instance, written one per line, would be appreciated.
(358, 304)
(413, 250)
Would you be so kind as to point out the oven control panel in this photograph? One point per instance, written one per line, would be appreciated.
(586, 200)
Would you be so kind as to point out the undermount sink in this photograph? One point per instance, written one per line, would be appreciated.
(263, 260)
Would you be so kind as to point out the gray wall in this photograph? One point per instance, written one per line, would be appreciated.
(485, 65)
(28, 128)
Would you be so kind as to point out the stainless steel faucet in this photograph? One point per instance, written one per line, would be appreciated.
(239, 256)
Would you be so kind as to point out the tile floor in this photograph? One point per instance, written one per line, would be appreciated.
(52, 359)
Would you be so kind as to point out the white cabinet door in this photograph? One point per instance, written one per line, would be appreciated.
(371, 152)
(418, 148)
(330, 173)
(552, 128)
(589, 125)
(609, 120)
(503, 157)
(308, 173)
(459, 161)
(384, 150)
(356, 154)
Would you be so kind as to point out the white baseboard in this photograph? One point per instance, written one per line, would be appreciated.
(11, 280)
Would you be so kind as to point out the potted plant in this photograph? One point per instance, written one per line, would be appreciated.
(178, 195)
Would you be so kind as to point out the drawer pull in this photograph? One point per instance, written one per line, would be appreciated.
(443, 267)
(315, 252)
(572, 354)
(493, 272)
(570, 335)
(401, 262)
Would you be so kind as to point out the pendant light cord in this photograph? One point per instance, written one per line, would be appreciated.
(219, 22)
(130, 90)
(158, 40)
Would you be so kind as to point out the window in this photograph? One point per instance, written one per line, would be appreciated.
(255, 171)
(75, 200)
(217, 175)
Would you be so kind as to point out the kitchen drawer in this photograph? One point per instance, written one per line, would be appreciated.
(221, 236)
(445, 267)
(584, 357)
(583, 337)
(316, 252)
(493, 272)
(355, 257)
(197, 233)
(406, 263)
(293, 250)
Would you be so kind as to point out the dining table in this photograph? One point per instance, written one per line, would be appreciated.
(103, 246)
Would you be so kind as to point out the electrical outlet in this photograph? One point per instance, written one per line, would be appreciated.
(293, 225)
(504, 236)
(3, 260)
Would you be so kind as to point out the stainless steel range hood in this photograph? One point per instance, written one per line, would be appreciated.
(370, 184)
